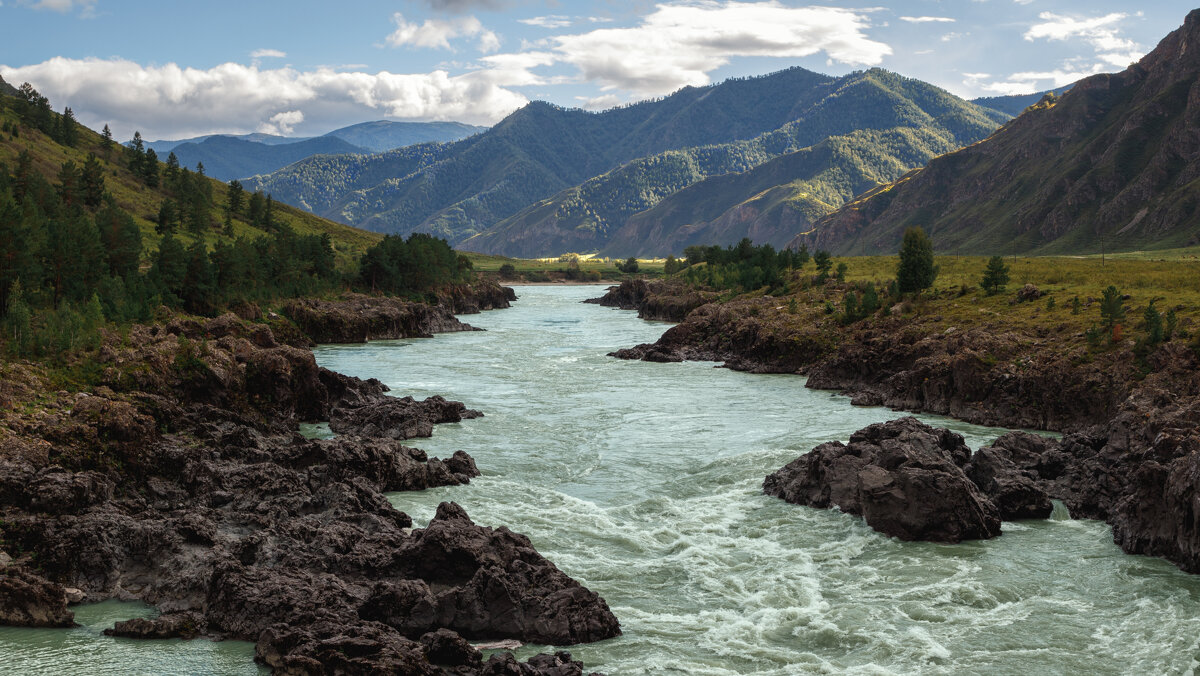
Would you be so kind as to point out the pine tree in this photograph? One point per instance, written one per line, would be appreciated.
(18, 320)
(171, 173)
(92, 180)
(68, 134)
(995, 276)
(916, 270)
(1112, 311)
(167, 217)
(150, 168)
(236, 196)
(106, 141)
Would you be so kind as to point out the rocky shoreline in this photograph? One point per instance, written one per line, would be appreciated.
(1131, 454)
(181, 481)
(358, 318)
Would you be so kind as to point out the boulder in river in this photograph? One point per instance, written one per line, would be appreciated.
(903, 477)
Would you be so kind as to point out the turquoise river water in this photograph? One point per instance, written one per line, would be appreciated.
(643, 482)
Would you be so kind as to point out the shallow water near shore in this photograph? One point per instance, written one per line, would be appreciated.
(86, 651)
(643, 481)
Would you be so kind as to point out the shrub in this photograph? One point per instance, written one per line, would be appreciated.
(508, 271)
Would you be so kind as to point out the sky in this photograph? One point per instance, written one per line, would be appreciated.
(179, 69)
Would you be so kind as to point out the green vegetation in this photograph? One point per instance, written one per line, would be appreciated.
(743, 267)
(1112, 311)
(128, 187)
(995, 277)
(422, 262)
(73, 257)
(559, 268)
(916, 270)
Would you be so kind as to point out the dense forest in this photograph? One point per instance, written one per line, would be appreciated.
(72, 258)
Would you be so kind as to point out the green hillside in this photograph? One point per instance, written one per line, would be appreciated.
(620, 205)
(457, 190)
(143, 203)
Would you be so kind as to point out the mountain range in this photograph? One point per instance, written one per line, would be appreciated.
(548, 179)
(239, 156)
(1112, 164)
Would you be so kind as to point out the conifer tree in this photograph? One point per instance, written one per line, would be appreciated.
(916, 270)
(995, 276)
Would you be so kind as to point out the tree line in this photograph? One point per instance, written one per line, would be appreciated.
(71, 259)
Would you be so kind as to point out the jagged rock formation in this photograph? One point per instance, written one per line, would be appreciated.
(182, 482)
(903, 477)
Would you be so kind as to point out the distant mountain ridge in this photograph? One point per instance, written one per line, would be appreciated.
(1113, 164)
(617, 212)
(608, 166)
(1014, 104)
(377, 136)
(244, 155)
(227, 158)
(539, 150)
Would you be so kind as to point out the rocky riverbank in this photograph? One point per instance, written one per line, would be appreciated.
(1131, 456)
(662, 300)
(357, 318)
(181, 481)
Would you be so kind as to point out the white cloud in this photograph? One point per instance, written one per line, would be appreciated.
(552, 21)
(282, 123)
(927, 19)
(1102, 32)
(602, 102)
(437, 33)
(86, 7)
(268, 53)
(1029, 82)
(172, 101)
(680, 44)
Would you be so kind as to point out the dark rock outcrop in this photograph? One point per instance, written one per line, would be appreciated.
(398, 418)
(903, 477)
(172, 625)
(663, 300)
(184, 484)
(358, 318)
(30, 600)
(1006, 472)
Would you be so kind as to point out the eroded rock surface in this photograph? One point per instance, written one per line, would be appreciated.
(903, 477)
(183, 483)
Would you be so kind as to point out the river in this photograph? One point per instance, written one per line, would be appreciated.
(643, 481)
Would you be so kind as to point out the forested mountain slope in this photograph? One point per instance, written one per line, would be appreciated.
(226, 158)
(1114, 164)
(922, 121)
(459, 189)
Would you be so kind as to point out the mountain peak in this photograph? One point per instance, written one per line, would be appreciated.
(1110, 164)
